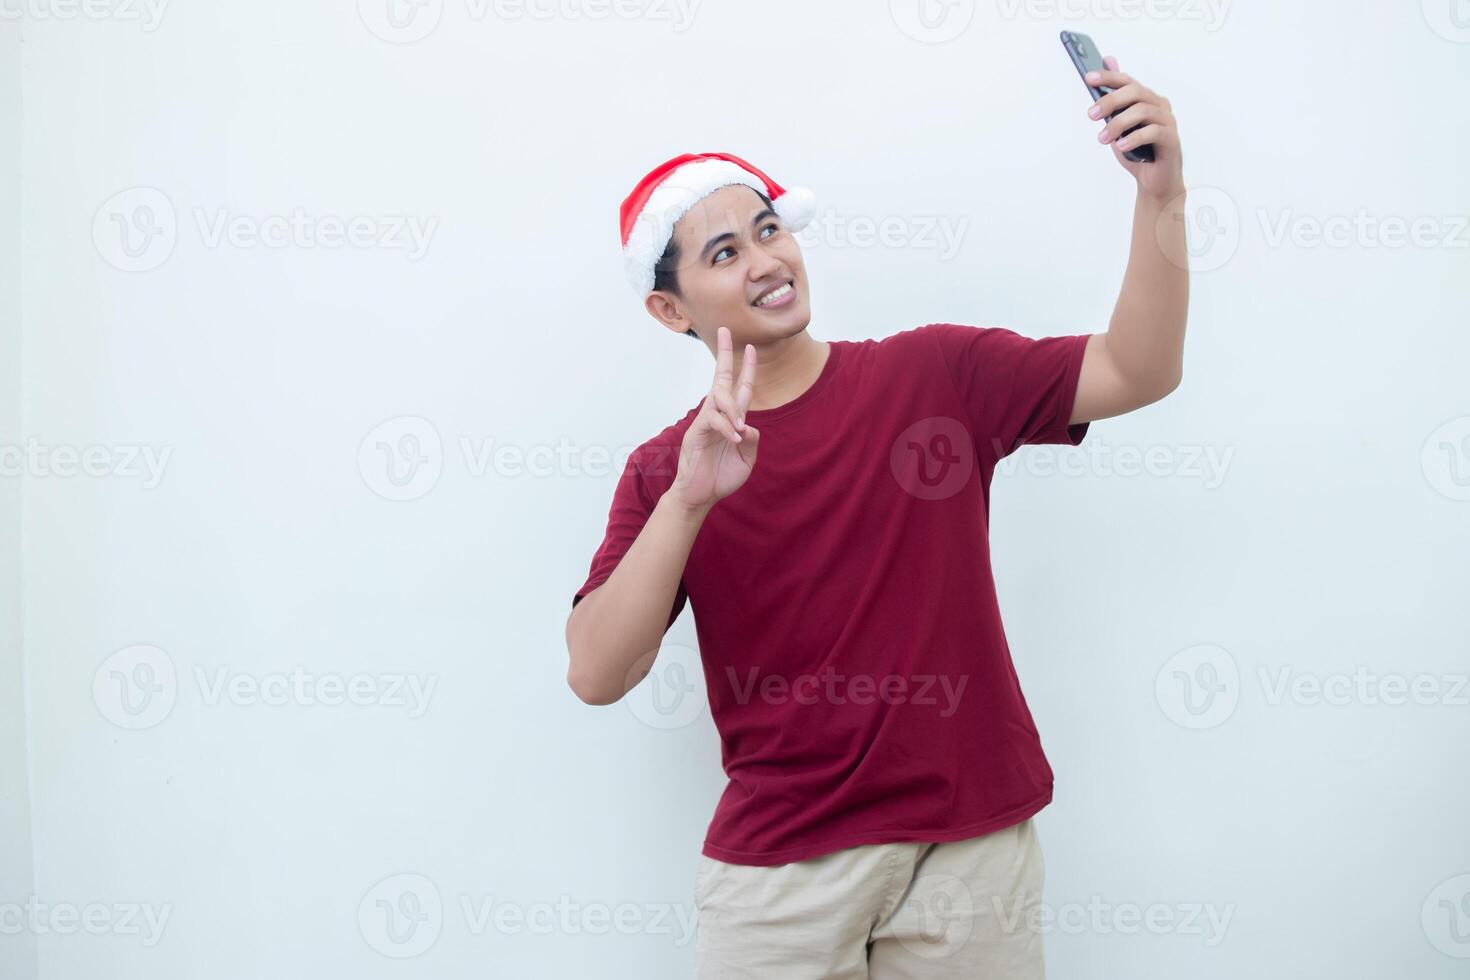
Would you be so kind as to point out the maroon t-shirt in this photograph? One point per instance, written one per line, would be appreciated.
(854, 658)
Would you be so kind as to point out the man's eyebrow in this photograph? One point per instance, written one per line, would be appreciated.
(760, 216)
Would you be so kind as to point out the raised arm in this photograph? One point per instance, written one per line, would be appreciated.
(1140, 358)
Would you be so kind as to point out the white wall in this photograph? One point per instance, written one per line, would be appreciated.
(17, 949)
(262, 837)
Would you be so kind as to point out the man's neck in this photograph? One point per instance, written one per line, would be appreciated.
(785, 369)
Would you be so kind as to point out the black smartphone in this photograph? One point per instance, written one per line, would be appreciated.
(1087, 58)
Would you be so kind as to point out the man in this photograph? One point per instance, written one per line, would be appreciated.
(826, 514)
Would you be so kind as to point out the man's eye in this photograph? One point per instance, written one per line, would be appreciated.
(769, 227)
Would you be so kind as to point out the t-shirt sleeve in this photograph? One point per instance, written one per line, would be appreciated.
(1016, 390)
(630, 510)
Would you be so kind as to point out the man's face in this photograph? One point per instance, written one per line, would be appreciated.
(732, 251)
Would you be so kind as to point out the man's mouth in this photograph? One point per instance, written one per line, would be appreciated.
(776, 296)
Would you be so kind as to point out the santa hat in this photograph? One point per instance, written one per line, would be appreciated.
(668, 192)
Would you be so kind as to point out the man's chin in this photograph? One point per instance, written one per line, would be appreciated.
(778, 323)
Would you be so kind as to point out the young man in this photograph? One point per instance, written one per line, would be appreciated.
(826, 515)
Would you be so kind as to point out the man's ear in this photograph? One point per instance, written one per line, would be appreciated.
(667, 310)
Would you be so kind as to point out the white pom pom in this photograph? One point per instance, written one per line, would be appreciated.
(796, 207)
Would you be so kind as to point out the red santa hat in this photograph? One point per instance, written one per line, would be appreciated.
(673, 187)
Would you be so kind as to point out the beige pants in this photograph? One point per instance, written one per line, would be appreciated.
(880, 911)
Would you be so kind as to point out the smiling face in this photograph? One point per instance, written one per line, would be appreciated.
(737, 266)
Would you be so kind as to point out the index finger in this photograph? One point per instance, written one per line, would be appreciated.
(724, 359)
(1108, 77)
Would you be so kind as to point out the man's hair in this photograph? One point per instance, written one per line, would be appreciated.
(666, 270)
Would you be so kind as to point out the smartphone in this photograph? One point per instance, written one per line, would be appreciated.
(1087, 58)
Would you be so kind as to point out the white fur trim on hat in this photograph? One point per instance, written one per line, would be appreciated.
(679, 192)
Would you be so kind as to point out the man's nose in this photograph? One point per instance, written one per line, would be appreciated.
(763, 265)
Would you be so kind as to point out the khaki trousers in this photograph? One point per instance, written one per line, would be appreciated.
(881, 911)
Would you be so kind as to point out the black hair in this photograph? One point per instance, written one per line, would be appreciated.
(666, 269)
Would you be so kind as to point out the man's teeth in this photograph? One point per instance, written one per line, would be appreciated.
(775, 294)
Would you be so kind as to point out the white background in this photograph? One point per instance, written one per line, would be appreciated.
(1326, 380)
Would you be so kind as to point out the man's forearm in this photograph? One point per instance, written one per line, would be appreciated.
(620, 625)
(1145, 337)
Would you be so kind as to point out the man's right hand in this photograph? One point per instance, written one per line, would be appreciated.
(718, 452)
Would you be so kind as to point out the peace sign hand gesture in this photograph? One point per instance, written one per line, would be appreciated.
(718, 452)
